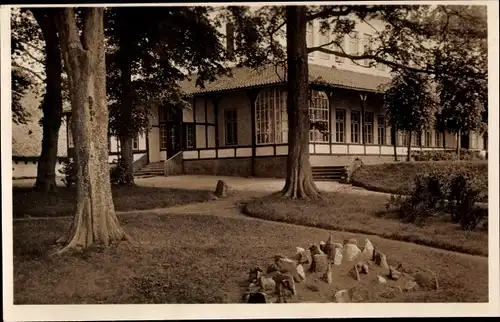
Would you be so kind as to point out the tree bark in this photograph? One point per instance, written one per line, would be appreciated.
(395, 136)
(444, 140)
(459, 137)
(52, 102)
(125, 133)
(95, 220)
(408, 153)
(299, 181)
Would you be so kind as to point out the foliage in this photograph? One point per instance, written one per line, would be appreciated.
(118, 174)
(440, 155)
(410, 102)
(452, 190)
(69, 171)
(146, 60)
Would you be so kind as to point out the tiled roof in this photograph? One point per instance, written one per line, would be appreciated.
(245, 77)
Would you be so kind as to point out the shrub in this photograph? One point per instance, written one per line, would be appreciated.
(118, 174)
(441, 155)
(69, 170)
(450, 189)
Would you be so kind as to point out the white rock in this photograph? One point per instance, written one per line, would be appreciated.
(368, 249)
(352, 251)
(381, 280)
(342, 296)
(337, 259)
(300, 272)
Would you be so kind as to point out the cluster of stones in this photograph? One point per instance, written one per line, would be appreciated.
(278, 283)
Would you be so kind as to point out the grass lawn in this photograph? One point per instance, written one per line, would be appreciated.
(206, 259)
(27, 202)
(397, 177)
(367, 214)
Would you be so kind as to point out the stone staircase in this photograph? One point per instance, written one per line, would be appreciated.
(153, 169)
(327, 173)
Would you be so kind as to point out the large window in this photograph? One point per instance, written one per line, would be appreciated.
(381, 130)
(438, 139)
(368, 128)
(340, 125)
(355, 126)
(428, 138)
(310, 37)
(368, 44)
(271, 119)
(324, 39)
(230, 127)
(319, 117)
(336, 47)
(354, 44)
(190, 135)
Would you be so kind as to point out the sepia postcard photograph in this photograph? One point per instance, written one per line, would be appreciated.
(187, 160)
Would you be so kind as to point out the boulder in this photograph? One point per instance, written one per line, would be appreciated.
(272, 268)
(394, 274)
(322, 246)
(319, 263)
(315, 250)
(410, 286)
(362, 268)
(221, 189)
(352, 241)
(427, 280)
(303, 256)
(286, 265)
(381, 260)
(355, 273)
(257, 298)
(381, 280)
(368, 249)
(254, 274)
(337, 258)
(285, 285)
(342, 296)
(267, 284)
(327, 277)
(352, 251)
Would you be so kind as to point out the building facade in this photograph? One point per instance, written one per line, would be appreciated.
(239, 126)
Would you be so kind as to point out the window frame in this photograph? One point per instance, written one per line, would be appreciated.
(271, 116)
(187, 127)
(337, 123)
(368, 127)
(353, 126)
(381, 130)
(319, 104)
(233, 123)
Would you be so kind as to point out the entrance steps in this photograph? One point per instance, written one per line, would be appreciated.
(327, 173)
(153, 169)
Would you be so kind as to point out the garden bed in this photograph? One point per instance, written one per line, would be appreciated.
(397, 178)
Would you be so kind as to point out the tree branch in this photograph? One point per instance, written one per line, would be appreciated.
(328, 14)
(31, 45)
(28, 70)
(33, 57)
(384, 61)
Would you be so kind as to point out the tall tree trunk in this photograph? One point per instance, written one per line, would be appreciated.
(52, 102)
(95, 220)
(127, 158)
(408, 153)
(125, 131)
(395, 140)
(459, 137)
(299, 181)
(444, 140)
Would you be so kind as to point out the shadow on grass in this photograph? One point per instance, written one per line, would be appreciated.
(28, 202)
